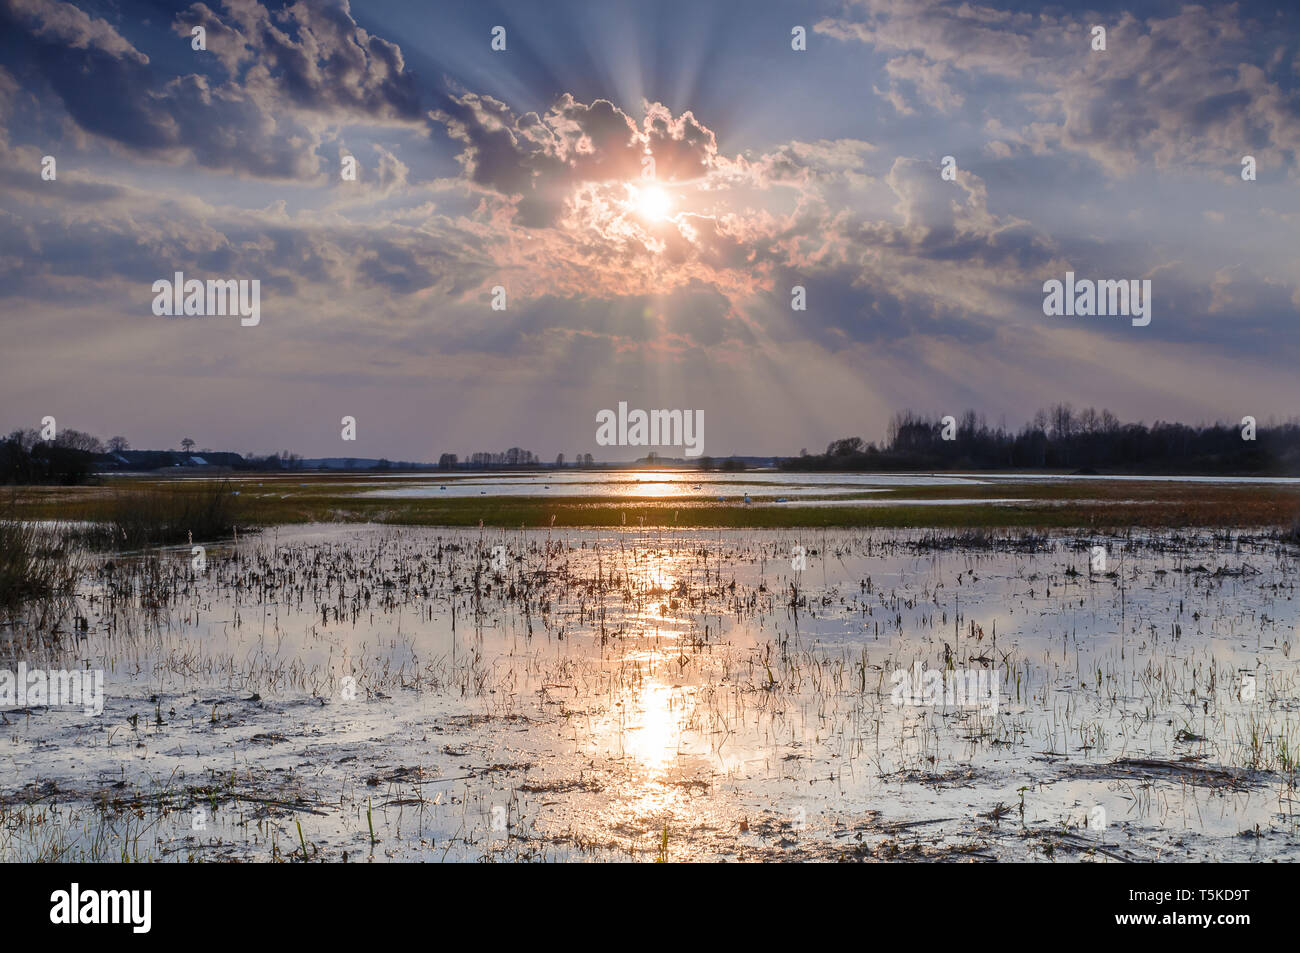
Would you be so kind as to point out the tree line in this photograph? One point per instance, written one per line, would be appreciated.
(68, 458)
(1058, 438)
(1061, 438)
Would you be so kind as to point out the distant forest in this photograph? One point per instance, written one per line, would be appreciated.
(1064, 439)
(1087, 441)
(74, 457)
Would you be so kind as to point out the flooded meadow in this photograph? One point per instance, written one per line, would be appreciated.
(357, 693)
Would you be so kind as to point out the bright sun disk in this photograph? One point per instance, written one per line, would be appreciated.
(652, 203)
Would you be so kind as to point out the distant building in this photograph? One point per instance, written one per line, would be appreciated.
(146, 460)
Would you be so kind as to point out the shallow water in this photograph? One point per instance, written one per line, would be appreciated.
(576, 694)
(670, 485)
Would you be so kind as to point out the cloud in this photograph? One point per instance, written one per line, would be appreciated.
(913, 282)
(64, 24)
(926, 77)
(538, 161)
(309, 56)
(1203, 86)
(292, 75)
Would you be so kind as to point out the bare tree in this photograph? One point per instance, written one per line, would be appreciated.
(187, 445)
(77, 440)
(118, 444)
(1063, 422)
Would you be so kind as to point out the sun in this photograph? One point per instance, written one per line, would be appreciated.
(651, 202)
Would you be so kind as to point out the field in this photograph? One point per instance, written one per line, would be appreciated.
(271, 500)
(295, 669)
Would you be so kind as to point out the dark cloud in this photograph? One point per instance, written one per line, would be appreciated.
(313, 56)
(289, 73)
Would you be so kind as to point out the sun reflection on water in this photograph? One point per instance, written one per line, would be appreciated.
(651, 726)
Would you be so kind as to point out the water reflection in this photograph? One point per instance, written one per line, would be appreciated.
(613, 685)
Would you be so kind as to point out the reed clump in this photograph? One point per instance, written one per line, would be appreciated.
(36, 563)
(170, 515)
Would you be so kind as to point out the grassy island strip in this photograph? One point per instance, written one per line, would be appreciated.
(300, 498)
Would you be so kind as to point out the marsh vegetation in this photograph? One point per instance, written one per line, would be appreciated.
(336, 692)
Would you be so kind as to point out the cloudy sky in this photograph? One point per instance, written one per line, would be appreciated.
(525, 169)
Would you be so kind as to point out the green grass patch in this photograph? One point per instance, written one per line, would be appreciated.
(152, 510)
